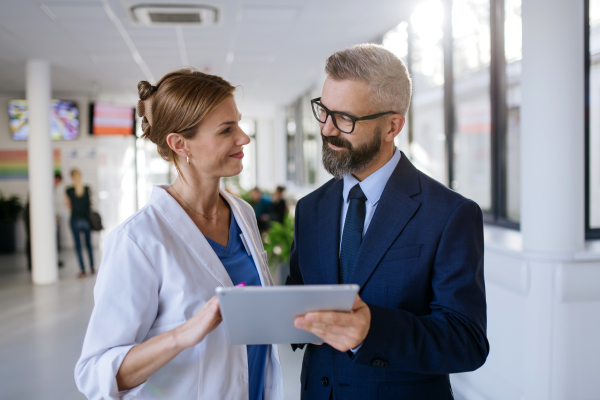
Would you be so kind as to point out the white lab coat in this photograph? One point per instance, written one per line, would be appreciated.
(158, 270)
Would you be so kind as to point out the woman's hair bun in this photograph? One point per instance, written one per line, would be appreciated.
(145, 89)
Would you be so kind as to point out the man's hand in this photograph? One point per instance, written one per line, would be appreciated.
(341, 330)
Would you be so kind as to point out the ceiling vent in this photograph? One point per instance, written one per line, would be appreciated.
(175, 14)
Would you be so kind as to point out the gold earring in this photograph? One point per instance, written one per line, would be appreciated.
(188, 160)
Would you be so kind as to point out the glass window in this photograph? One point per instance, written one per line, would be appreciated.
(290, 128)
(471, 69)
(594, 115)
(396, 41)
(512, 54)
(310, 132)
(428, 146)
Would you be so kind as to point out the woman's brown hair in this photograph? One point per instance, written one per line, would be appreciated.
(180, 101)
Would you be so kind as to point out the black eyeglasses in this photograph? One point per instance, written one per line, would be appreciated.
(343, 122)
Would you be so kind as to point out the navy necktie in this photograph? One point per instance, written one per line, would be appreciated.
(353, 228)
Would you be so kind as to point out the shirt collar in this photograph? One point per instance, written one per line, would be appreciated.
(374, 184)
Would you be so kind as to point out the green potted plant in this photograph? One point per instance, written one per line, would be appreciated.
(10, 210)
(278, 245)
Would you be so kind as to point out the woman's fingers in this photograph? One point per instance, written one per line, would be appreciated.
(212, 314)
(201, 324)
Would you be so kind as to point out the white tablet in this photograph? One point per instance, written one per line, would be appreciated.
(265, 315)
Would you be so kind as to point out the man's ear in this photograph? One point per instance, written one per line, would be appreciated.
(177, 143)
(395, 125)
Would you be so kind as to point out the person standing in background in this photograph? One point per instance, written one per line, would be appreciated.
(262, 207)
(79, 202)
(58, 191)
(279, 208)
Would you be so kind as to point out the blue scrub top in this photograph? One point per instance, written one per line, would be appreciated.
(241, 268)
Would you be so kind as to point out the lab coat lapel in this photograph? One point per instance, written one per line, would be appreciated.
(329, 215)
(252, 237)
(189, 234)
(394, 210)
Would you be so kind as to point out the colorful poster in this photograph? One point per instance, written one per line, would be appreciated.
(64, 120)
(14, 166)
(109, 119)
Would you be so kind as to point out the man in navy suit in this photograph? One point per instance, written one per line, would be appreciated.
(413, 246)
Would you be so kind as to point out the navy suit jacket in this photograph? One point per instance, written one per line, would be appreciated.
(420, 271)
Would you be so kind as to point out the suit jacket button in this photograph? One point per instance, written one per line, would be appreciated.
(324, 381)
(379, 364)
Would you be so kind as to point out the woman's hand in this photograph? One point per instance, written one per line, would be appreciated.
(146, 358)
(201, 324)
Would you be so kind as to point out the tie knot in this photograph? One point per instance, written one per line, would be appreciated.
(357, 193)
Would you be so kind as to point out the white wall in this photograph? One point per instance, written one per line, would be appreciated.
(543, 323)
(106, 164)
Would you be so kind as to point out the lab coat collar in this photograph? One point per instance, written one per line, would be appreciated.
(246, 222)
(195, 240)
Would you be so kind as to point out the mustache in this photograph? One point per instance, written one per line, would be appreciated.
(336, 141)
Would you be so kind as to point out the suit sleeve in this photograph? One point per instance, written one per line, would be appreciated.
(452, 338)
(295, 276)
(126, 305)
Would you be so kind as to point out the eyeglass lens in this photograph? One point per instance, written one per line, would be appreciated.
(341, 121)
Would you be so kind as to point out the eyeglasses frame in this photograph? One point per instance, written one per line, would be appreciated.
(328, 112)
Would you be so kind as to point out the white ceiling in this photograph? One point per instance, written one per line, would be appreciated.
(278, 46)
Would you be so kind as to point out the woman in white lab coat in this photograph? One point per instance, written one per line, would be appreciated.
(154, 332)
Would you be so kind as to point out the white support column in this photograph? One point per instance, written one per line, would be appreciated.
(552, 150)
(41, 198)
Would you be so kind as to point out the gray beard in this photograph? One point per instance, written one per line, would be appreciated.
(350, 160)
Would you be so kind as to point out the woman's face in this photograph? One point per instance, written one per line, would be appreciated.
(75, 175)
(216, 149)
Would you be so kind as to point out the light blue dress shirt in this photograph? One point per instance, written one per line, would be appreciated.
(372, 187)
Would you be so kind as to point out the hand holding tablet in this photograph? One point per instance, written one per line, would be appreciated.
(264, 315)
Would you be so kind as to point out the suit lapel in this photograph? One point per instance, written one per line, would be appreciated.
(329, 214)
(394, 210)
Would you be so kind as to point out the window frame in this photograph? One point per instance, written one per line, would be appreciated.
(590, 233)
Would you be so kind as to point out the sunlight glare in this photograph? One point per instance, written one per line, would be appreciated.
(396, 40)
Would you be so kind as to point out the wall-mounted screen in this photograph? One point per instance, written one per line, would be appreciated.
(110, 119)
(64, 119)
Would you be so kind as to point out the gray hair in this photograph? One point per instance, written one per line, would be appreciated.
(387, 76)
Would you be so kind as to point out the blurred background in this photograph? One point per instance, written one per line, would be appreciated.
(505, 110)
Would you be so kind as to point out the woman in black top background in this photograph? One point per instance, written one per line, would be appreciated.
(279, 208)
(79, 202)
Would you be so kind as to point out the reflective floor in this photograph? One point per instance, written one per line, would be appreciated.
(42, 329)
